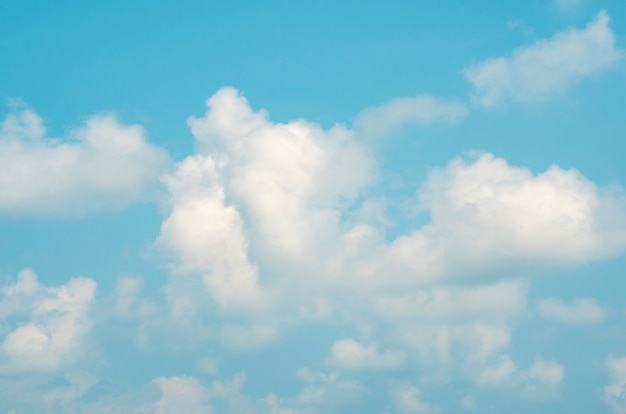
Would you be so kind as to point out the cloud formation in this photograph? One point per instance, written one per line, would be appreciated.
(393, 115)
(56, 325)
(407, 399)
(547, 67)
(103, 165)
(261, 228)
(580, 312)
(615, 391)
(350, 354)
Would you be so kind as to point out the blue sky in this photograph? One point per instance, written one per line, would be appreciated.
(312, 207)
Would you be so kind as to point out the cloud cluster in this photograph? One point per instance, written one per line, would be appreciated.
(264, 230)
(261, 224)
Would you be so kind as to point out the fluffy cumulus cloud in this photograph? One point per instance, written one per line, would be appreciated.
(488, 215)
(580, 312)
(283, 183)
(264, 230)
(547, 67)
(267, 201)
(267, 227)
(46, 326)
(261, 234)
(102, 165)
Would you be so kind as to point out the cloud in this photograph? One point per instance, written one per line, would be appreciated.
(488, 216)
(290, 179)
(263, 225)
(546, 67)
(128, 301)
(103, 165)
(615, 391)
(56, 325)
(497, 375)
(407, 400)
(205, 234)
(497, 302)
(350, 354)
(248, 337)
(327, 389)
(79, 384)
(568, 5)
(188, 395)
(580, 312)
(421, 109)
(542, 377)
(182, 394)
(546, 372)
(285, 185)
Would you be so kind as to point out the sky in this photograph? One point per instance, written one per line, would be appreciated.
(298, 207)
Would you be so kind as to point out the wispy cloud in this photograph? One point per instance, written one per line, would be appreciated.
(547, 67)
(397, 113)
(580, 312)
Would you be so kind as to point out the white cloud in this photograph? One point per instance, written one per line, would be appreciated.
(205, 234)
(247, 337)
(580, 312)
(128, 300)
(188, 395)
(270, 198)
(350, 354)
(497, 375)
(260, 228)
(56, 326)
(79, 384)
(407, 399)
(468, 403)
(326, 388)
(546, 372)
(393, 115)
(496, 302)
(103, 165)
(182, 394)
(546, 67)
(615, 391)
(541, 378)
(290, 179)
(490, 217)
